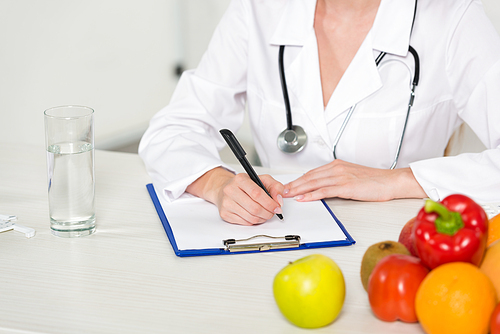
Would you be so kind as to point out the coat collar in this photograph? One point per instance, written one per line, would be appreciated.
(295, 24)
(391, 33)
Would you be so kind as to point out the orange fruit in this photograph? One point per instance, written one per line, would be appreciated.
(456, 298)
(493, 230)
(491, 266)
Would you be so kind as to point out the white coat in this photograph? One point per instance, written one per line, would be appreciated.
(459, 82)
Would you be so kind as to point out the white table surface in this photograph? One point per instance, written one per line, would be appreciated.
(125, 278)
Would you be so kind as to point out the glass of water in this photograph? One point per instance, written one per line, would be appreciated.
(69, 139)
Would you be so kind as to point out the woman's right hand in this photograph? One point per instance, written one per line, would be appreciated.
(238, 198)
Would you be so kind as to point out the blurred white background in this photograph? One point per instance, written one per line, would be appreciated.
(116, 56)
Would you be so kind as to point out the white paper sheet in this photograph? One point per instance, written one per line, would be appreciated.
(196, 224)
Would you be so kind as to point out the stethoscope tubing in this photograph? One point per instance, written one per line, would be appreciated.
(293, 139)
(299, 135)
(416, 79)
(289, 123)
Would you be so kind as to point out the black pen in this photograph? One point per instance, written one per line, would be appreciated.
(240, 153)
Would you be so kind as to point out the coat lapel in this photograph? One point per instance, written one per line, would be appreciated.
(359, 81)
(391, 34)
(296, 29)
(304, 79)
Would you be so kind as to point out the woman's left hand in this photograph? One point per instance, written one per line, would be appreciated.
(347, 180)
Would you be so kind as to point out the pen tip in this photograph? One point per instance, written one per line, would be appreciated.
(280, 216)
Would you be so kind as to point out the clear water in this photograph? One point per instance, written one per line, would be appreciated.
(71, 189)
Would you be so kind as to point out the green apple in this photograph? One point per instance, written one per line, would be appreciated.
(310, 292)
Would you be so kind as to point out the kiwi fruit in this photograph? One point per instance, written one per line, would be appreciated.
(377, 252)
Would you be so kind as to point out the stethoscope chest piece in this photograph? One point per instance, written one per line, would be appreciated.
(292, 141)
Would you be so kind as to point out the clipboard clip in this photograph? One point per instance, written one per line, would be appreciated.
(241, 245)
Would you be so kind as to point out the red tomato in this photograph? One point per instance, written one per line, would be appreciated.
(495, 320)
(393, 285)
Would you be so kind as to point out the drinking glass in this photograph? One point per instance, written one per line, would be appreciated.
(69, 139)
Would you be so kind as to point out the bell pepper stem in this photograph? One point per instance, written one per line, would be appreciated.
(448, 222)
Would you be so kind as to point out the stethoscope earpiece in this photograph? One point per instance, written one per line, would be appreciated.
(292, 141)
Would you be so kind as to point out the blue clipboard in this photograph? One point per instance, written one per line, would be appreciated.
(225, 251)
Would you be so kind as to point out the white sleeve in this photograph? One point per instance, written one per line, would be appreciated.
(182, 141)
(474, 74)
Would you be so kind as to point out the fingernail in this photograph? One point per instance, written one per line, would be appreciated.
(286, 191)
(280, 200)
(299, 197)
(278, 210)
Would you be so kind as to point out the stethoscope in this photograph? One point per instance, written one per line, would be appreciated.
(293, 139)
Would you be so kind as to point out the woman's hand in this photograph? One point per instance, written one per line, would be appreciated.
(347, 180)
(238, 198)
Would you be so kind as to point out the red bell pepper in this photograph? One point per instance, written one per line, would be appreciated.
(456, 229)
